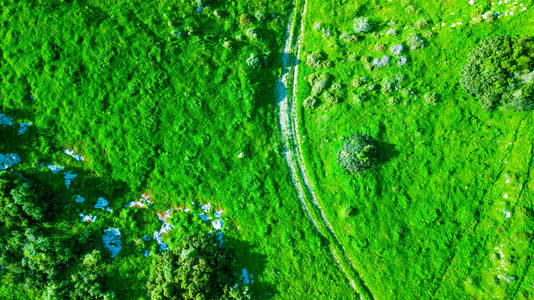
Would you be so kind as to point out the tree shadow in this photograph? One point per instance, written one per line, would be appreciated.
(248, 257)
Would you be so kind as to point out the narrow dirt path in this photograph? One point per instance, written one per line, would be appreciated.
(286, 88)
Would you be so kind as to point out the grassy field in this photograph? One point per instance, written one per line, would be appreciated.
(161, 98)
(448, 211)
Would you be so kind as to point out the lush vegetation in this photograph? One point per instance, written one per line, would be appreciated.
(358, 153)
(447, 212)
(159, 97)
(500, 72)
(199, 269)
(432, 198)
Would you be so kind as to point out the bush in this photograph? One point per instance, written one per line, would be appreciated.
(492, 72)
(358, 153)
(317, 60)
(316, 77)
(318, 87)
(330, 97)
(431, 98)
(421, 24)
(358, 81)
(311, 102)
(396, 49)
(253, 61)
(414, 41)
(380, 47)
(361, 25)
(198, 269)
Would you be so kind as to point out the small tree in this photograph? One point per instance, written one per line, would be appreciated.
(361, 25)
(359, 152)
(198, 269)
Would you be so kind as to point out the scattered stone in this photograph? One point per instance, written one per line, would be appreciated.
(101, 203)
(69, 176)
(72, 154)
(112, 241)
(23, 127)
(5, 120)
(87, 218)
(8, 160)
(55, 168)
(246, 277)
(217, 224)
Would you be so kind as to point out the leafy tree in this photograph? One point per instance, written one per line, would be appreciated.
(198, 269)
(359, 152)
(88, 281)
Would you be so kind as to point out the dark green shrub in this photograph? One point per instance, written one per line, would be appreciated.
(431, 98)
(492, 72)
(317, 60)
(311, 102)
(198, 269)
(414, 42)
(358, 153)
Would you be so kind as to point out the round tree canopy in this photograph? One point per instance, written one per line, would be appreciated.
(357, 154)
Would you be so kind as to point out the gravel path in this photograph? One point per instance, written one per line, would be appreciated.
(288, 123)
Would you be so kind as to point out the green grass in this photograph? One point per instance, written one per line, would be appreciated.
(168, 114)
(426, 221)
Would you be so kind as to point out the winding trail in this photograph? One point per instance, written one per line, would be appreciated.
(285, 93)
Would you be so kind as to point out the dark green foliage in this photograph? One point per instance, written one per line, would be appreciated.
(198, 269)
(358, 153)
(493, 70)
(317, 60)
(20, 203)
(311, 102)
(414, 42)
(88, 281)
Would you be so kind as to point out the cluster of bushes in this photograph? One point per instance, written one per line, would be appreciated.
(34, 256)
(318, 60)
(322, 87)
(499, 72)
(358, 153)
(198, 269)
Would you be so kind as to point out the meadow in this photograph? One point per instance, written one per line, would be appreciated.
(447, 212)
(173, 98)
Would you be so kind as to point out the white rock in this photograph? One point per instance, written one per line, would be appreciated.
(23, 127)
(112, 241)
(217, 224)
(206, 208)
(240, 155)
(72, 154)
(79, 199)
(218, 213)
(87, 218)
(8, 160)
(505, 196)
(246, 277)
(101, 203)
(5, 120)
(203, 217)
(69, 176)
(55, 168)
